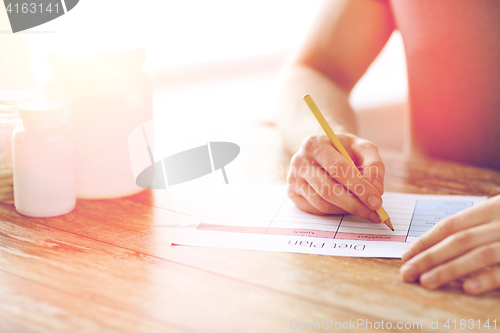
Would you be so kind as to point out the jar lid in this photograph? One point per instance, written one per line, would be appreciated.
(41, 111)
(14, 97)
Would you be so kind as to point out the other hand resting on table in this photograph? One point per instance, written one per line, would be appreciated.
(457, 246)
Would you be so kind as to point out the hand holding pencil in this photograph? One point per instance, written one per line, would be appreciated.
(323, 179)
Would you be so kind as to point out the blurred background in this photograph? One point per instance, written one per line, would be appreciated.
(214, 61)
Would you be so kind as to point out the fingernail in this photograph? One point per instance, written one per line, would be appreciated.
(408, 272)
(406, 255)
(375, 218)
(378, 184)
(428, 279)
(374, 202)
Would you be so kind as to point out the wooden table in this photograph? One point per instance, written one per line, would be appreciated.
(109, 265)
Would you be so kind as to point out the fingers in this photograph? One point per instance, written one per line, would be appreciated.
(303, 204)
(335, 194)
(307, 199)
(372, 167)
(327, 181)
(452, 247)
(475, 260)
(298, 187)
(482, 283)
(468, 218)
(347, 175)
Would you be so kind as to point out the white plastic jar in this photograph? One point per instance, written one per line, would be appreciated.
(106, 96)
(43, 161)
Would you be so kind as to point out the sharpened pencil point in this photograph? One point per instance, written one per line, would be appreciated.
(389, 224)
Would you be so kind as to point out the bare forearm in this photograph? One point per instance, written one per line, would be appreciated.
(294, 119)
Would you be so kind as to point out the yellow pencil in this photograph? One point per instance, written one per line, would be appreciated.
(338, 145)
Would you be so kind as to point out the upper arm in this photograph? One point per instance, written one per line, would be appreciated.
(347, 37)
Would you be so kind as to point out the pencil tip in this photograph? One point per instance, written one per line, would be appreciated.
(389, 224)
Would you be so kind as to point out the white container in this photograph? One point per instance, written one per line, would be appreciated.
(43, 161)
(106, 96)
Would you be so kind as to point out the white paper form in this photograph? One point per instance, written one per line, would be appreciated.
(264, 218)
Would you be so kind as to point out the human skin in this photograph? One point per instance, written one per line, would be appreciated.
(328, 73)
(468, 242)
(343, 43)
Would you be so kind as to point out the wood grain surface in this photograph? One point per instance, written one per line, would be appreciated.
(108, 266)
